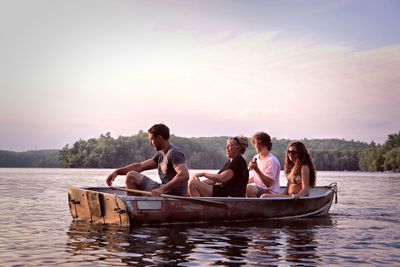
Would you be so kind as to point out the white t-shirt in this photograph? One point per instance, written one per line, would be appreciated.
(271, 168)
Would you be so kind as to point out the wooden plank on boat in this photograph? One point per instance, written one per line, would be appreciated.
(96, 205)
(78, 204)
(115, 210)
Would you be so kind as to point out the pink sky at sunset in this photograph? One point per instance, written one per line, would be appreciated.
(295, 69)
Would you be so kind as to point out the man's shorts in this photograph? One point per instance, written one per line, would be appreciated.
(261, 191)
(148, 184)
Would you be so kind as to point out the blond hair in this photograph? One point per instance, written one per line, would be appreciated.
(242, 141)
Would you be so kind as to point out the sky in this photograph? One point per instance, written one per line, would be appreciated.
(73, 70)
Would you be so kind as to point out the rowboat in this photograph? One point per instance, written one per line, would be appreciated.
(105, 205)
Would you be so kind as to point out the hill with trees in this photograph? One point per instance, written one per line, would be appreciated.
(32, 158)
(207, 153)
(384, 157)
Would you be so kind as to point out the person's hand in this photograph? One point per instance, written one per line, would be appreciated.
(111, 178)
(252, 165)
(157, 192)
(197, 176)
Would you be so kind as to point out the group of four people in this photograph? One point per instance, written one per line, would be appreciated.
(233, 180)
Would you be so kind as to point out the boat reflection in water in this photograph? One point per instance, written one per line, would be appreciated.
(288, 241)
(273, 242)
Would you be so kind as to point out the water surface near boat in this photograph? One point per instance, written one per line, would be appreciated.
(37, 228)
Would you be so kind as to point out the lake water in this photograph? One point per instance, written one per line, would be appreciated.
(37, 228)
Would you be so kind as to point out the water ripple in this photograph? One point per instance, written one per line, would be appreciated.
(37, 229)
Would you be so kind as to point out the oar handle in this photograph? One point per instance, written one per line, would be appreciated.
(147, 193)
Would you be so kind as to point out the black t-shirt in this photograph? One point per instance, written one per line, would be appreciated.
(236, 186)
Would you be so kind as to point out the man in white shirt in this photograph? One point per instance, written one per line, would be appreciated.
(264, 168)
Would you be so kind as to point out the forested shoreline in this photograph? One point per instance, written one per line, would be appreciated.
(49, 158)
(207, 153)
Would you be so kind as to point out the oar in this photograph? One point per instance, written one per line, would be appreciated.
(196, 200)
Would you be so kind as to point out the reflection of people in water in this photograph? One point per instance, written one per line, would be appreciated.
(286, 241)
(265, 245)
(237, 247)
(140, 246)
(301, 247)
(165, 246)
(301, 242)
(274, 242)
(221, 245)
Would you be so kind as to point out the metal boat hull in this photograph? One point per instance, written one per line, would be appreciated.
(107, 206)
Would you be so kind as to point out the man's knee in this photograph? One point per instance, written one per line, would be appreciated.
(133, 179)
(251, 190)
(193, 189)
(193, 184)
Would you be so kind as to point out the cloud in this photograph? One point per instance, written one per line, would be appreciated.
(251, 112)
(334, 89)
(204, 84)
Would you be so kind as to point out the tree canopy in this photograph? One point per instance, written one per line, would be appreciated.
(384, 157)
(207, 153)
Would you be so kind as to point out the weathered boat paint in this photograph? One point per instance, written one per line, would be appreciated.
(106, 206)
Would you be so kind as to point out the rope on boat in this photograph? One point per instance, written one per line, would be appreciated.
(333, 186)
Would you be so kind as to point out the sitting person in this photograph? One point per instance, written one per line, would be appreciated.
(264, 167)
(170, 162)
(231, 180)
(299, 171)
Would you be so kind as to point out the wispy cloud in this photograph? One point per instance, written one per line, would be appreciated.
(250, 112)
(197, 67)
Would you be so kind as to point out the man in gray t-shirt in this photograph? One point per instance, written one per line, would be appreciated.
(166, 170)
(169, 160)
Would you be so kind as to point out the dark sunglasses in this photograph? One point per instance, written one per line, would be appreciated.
(292, 152)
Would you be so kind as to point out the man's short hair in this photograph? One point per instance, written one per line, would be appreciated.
(264, 138)
(159, 129)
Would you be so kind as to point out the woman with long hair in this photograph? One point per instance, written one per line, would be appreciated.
(299, 170)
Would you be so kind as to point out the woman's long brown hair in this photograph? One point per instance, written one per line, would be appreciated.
(303, 157)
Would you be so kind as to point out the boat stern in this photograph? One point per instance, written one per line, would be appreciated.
(97, 207)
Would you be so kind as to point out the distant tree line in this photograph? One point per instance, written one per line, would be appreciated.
(33, 158)
(384, 157)
(207, 153)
